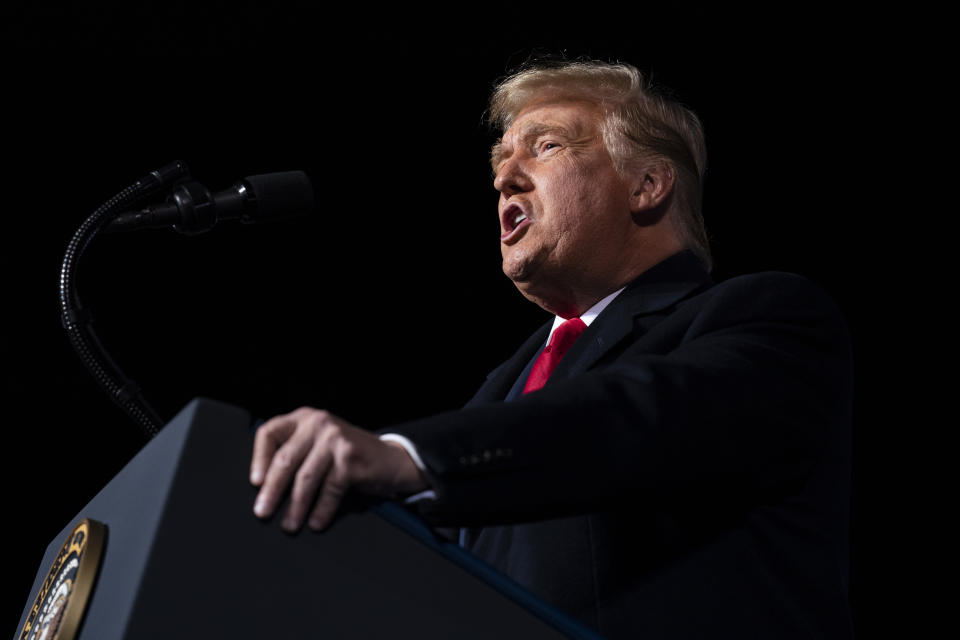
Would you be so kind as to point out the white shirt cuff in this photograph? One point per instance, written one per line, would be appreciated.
(411, 450)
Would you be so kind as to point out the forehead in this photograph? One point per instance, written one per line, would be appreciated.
(575, 117)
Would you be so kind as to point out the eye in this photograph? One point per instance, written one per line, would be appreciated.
(547, 145)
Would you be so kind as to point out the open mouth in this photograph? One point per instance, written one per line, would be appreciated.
(513, 220)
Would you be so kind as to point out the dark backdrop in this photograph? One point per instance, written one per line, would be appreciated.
(400, 264)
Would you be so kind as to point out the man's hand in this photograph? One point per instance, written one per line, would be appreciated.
(324, 456)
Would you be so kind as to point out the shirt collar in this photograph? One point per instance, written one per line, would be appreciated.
(589, 315)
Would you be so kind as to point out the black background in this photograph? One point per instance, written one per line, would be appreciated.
(383, 109)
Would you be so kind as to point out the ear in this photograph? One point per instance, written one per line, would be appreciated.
(652, 185)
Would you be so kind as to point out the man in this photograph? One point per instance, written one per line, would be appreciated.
(684, 470)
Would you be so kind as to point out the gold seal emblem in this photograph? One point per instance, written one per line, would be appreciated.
(62, 600)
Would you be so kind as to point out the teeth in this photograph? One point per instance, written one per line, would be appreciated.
(520, 218)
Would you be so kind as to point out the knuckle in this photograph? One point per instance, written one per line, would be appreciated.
(331, 435)
(263, 434)
(306, 476)
(269, 433)
(300, 415)
(312, 420)
(348, 451)
(283, 459)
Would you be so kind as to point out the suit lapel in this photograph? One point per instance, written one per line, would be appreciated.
(501, 379)
(634, 310)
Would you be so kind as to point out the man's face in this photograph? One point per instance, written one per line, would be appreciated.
(564, 209)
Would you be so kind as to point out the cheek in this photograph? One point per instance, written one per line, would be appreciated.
(597, 220)
(579, 201)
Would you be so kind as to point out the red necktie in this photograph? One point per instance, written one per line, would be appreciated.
(561, 341)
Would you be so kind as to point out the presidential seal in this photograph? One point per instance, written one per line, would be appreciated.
(62, 600)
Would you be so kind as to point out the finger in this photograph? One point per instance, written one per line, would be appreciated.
(283, 464)
(311, 473)
(268, 438)
(335, 486)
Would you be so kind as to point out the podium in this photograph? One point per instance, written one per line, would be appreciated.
(183, 557)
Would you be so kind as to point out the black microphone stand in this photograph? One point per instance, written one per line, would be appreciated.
(77, 320)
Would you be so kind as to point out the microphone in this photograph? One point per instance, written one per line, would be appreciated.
(192, 209)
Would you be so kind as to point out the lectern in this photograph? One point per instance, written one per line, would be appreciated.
(170, 549)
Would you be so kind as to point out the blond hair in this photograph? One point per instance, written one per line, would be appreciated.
(640, 125)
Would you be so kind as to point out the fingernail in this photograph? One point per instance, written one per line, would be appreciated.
(316, 522)
(289, 524)
(256, 476)
(260, 507)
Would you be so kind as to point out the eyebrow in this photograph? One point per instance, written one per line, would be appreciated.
(530, 132)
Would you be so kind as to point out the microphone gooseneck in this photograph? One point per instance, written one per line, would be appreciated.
(190, 209)
(77, 320)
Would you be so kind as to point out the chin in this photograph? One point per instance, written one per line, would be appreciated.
(516, 269)
(523, 280)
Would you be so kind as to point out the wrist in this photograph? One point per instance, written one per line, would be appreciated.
(410, 477)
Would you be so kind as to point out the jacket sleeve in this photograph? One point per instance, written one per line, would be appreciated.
(734, 395)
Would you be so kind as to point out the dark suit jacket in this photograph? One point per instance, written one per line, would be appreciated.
(683, 474)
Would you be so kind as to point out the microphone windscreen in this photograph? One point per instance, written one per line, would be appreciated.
(279, 195)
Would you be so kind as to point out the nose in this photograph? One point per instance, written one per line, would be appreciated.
(511, 178)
